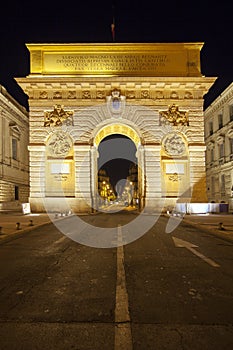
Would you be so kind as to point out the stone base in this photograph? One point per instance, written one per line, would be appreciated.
(160, 205)
(59, 205)
(11, 206)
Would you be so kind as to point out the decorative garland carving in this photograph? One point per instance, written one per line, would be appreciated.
(100, 94)
(174, 116)
(174, 95)
(58, 117)
(130, 94)
(86, 94)
(145, 94)
(188, 95)
(57, 95)
(174, 177)
(43, 95)
(71, 95)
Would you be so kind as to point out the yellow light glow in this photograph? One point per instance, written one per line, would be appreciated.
(117, 129)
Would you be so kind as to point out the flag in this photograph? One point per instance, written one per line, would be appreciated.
(113, 23)
(113, 30)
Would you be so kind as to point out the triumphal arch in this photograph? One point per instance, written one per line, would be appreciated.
(79, 94)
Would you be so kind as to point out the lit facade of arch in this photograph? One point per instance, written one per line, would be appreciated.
(143, 91)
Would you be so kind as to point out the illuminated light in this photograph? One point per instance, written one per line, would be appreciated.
(117, 129)
(192, 208)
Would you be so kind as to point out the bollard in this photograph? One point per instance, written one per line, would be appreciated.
(31, 223)
(18, 226)
(221, 227)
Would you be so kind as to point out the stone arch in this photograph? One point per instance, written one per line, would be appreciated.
(128, 131)
(117, 128)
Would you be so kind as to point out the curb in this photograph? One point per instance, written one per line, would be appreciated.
(211, 231)
(17, 234)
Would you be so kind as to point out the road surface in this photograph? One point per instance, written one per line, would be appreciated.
(163, 291)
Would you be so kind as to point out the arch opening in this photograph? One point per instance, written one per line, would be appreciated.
(117, 172)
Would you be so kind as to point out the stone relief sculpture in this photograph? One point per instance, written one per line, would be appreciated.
(174, 95)
(174, 177)
(86, 94)
(174, 145)
(59, 144)
(116, 102)
(58, 117)
(43, 95)
(174, 116)
(100, 94)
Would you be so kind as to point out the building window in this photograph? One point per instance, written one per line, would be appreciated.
(212, 185)
(231, 146)
(14, 149)
(231, 113)
(221, 150)
(212, 155)
(220, 121)
(16, 193)
(211, 128)
(222, 185)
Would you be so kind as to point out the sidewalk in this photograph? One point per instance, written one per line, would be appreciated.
(14, 223)
(220, 225)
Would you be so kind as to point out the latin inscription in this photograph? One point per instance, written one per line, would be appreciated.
(114, 63)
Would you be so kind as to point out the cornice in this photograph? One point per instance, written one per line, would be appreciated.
(73, 79)
(10, 110)
(221, 100)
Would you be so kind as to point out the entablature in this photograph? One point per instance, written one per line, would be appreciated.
(56, 88)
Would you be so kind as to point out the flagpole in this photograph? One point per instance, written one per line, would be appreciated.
(113, 23)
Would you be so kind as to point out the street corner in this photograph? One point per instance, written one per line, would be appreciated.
(15, 223)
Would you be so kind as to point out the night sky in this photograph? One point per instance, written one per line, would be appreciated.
(90, 21)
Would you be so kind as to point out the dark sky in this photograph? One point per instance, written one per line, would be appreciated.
(89, 21)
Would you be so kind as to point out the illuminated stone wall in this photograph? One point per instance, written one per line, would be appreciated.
(160, 108)
(14, 169)
(219, 153)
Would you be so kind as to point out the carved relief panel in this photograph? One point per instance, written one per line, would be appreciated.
(174, 165)
(60, 169)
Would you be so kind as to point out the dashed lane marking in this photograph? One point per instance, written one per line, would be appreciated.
(123, 335)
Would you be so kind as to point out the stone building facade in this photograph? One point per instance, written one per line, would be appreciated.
(219, 153)
(79, 94)
(14, 166)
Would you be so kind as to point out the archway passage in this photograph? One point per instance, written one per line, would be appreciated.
(118, 171)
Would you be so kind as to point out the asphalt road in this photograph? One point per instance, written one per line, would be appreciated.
(163, 291)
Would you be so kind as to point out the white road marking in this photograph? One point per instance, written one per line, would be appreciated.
(123, 335)
(53, 247)
(184, 244)
(60, 240)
